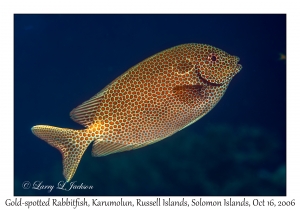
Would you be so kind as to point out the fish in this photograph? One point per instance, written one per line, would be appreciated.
(282, 56)
(151, 101)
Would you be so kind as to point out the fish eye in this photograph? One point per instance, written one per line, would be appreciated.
(212, 57)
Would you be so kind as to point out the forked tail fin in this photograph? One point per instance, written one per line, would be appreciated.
(70, 143)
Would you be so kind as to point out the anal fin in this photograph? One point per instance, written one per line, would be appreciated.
(103, 147)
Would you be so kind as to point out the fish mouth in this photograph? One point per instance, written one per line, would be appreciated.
(238, 66)
(208, 82)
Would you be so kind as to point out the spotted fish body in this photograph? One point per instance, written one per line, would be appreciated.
(151, 101)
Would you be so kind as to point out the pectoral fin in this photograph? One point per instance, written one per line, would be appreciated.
(190, 94)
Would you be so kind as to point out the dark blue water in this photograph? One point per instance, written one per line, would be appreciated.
(239, 148)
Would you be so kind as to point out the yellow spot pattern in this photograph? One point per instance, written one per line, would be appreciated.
(151, 101)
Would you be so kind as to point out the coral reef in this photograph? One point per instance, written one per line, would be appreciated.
(215, 160)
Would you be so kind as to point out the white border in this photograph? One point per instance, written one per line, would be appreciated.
(8, 8)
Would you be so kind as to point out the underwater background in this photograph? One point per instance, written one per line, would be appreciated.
(237, 149)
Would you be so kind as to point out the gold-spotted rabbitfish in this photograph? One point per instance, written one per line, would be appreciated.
(151, 101)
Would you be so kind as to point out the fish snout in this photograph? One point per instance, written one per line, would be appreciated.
(237, 66)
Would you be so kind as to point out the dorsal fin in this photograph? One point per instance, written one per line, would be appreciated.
(84, 114)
